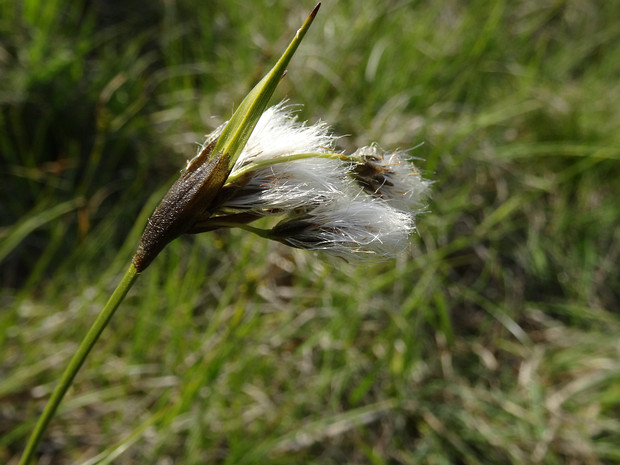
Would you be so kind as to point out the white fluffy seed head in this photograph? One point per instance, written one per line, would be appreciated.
(293, 185)
(290, 185)
(279, 133)
(363, 205)
(392, 177)
(365, 227)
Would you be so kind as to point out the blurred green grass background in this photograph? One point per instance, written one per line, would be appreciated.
(493, 341)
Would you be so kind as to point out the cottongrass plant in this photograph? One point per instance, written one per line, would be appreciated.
(265, 163)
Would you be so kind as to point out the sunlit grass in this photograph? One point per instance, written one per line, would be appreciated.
(494, 340)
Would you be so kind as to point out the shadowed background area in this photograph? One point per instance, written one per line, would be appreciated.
(493, 340)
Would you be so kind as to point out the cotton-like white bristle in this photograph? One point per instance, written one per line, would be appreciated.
(362, 205)
(401, 185)
(293, 185)
(405, 188)
(364, 227)
(279, 133)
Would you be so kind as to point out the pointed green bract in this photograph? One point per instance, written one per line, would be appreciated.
(235, 135)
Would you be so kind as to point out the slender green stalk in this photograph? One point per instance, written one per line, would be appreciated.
(76, 362)
(255, 165)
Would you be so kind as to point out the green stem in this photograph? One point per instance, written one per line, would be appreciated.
(76, 362)
(255, 165)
